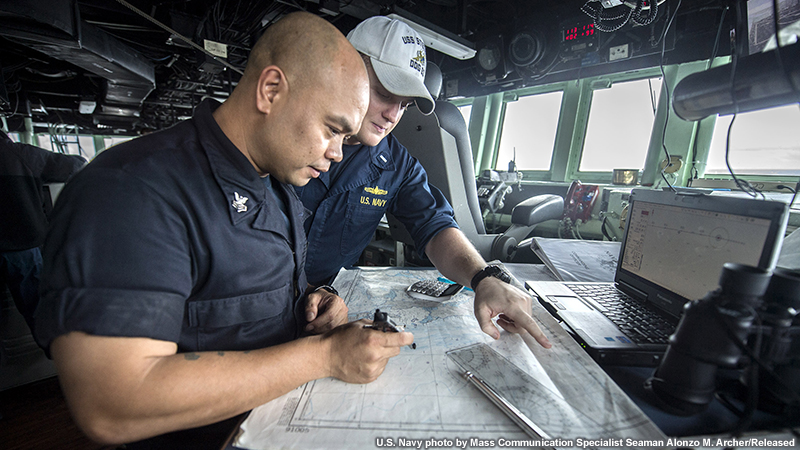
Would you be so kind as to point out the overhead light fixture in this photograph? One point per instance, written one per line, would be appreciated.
(87, 106)
(437, 41)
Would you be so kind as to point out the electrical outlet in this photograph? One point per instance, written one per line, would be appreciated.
(618, 52)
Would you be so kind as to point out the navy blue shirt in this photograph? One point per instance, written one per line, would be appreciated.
(348, 201)
(173, 236)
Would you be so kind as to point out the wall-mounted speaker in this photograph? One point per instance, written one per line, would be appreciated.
(526, 48)
(490, 60)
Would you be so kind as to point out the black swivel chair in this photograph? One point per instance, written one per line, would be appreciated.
(441, 143)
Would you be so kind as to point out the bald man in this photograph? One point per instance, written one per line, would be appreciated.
(173, 271)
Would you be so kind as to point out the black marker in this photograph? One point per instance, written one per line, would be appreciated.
(382, 322)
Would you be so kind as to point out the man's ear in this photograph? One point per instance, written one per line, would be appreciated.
(271, 83)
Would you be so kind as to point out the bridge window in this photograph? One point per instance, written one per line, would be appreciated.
(619, 126)
(765, 142)
(71, 144)
(529, 127)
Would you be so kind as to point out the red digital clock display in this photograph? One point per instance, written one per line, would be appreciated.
(578, 32)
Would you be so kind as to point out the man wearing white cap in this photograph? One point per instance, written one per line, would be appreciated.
(377, 175)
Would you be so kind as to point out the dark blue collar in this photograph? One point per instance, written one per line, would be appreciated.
(372, 160)
(242, 187)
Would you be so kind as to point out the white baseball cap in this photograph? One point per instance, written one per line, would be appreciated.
(397, 54)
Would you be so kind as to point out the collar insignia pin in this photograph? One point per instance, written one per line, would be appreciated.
(239, 203)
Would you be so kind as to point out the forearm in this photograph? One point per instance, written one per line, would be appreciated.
(212, 386)
(132, 401)
(454, 256)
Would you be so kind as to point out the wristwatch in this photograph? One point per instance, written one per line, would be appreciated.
(490, 271)
(327, 288)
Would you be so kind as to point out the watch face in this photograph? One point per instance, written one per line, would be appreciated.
(489, 56)
(503, 276)
(498, 273)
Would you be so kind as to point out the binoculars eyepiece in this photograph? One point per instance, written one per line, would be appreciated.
(725, 329)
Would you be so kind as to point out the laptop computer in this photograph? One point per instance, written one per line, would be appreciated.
(672, 251)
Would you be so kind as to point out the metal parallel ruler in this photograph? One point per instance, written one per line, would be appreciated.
(546, 413)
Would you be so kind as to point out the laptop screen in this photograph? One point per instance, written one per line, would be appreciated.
(676, 244)
(683, 249)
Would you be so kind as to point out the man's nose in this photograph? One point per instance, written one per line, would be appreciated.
(334, 152)
(392, 112)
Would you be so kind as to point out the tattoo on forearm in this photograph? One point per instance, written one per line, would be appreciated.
(192, 356)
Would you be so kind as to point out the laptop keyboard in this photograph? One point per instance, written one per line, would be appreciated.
(640, 324)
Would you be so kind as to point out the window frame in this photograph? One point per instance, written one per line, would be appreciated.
(587, 88)
(571, 129)
(513, 96)
(705, 134)
(688, 140)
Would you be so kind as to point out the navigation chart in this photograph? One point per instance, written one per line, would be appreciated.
(421, 394)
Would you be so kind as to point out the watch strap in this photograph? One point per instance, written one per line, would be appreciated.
(489, 271)
(328, 288)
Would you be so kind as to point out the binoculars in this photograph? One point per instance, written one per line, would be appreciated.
(749, 323)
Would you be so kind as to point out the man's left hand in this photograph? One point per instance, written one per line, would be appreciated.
(324, 311)
(494, 297)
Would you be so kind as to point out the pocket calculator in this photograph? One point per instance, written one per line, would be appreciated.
(434, 290)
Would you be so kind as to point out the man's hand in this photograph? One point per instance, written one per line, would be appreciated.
(359, 355)
(494, 297)
(324, 312)
(456, 258)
